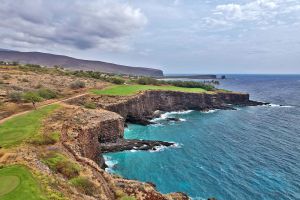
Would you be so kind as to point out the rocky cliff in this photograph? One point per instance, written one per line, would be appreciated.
(87, 128)
(88, 132)
(142, 106)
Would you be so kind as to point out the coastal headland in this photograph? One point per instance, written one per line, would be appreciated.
(56, 124)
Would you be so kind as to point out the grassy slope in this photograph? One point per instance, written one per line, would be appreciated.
(27, 188)
(20, 128)
(125, 90)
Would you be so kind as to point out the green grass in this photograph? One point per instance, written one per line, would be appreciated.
(23, 127)
(16, 182)
(126, 90)
(61, 164)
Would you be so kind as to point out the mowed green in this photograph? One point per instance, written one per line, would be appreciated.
(126, 90)
(16, 182)
(16, 130)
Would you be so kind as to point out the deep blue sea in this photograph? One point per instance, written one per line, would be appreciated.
(249, 153)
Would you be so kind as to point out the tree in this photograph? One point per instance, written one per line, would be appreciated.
(32, 97)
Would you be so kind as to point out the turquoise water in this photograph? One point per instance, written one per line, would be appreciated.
(248, 153)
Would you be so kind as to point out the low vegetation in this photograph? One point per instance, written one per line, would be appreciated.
(185, 84)
(14, 131)
(16, 182)
(77, 85)
(90, 105)
(45, 139)
(61, 164)
(83, 184)
(126, 90)
(123, 196)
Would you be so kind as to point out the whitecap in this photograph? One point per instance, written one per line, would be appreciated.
(165, 115)
(277, 105)
(210, 111)
(158, 149)
(162, 148)
(110, 163)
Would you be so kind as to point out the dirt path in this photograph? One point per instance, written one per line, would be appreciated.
(55, 102)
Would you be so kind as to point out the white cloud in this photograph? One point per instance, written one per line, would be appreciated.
(261, 12)
(71, 23)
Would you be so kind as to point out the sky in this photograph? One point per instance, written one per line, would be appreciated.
(177, 36)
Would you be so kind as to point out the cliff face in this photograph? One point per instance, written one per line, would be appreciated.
(143, 105)
(87, 128)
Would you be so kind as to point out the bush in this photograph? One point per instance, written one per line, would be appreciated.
(61, 164)
(77, 85)
(90, 105)
(15, 96)
(47, 93)
(122, 196)
(83, 184)
(24, 80)
(33, 66)
(191, 84)
(45, 139)
(116, 80)
(148, 81)
(32, 97)
(6, 76)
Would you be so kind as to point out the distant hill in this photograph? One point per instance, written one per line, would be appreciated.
(67, 62)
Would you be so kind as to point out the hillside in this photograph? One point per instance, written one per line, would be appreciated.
(51, 60)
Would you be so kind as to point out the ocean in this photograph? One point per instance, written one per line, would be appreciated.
(247, 153)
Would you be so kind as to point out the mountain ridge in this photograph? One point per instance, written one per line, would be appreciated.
(50, 60)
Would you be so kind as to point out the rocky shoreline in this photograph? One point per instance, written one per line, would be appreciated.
(139, 145)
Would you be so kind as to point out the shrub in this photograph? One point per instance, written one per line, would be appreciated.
(77, 85)
(33, 66)
(15, 96)
(122, 196)
(38, 86)
(90, 105)
(83, 184)
(6, 76)
(61, 164)
(32, 97)
(147, 81)
(47, 93)
(191, 84)
(116, 80)
(45, 139)
(24, 80)
(127, 198)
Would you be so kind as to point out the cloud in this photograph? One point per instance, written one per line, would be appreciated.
(259, 12)
(70, 23)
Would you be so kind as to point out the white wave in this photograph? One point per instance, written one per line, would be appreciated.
(210, 111)
(177, 145)
(158, 149)
(198, 198)
(277, 105)
(182, 120)
(110, 163)
(162, 148)
(165, 115)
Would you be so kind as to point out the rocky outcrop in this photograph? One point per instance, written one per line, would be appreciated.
(141, 145)
(87, 128)
(139, 108)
